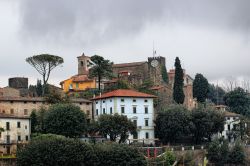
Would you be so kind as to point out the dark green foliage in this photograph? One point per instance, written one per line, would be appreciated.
(39, 128)
(205, 123)
(33, 119)
(65, 119)
(239, 101)
(200, 88)
(172, 123)
(44, 64)
(164, 74)
(216, 94)
(145, 87)
(178, 93)
(56, 151)
(115, 126)
(39, 88)
(55, 98)
(101, 69)
(214, 152)
(237, 155)
(121, 84)
(118, 155)
(220, 154)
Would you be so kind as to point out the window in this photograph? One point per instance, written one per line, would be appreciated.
(135, 135)
(19, 137)
(228, 127)
(146, 122)
(96, 102)
(27, 138)
(88, 112)
(70, 86)
(18, 124)
(3, 111)
(96, 111)
(110, 101)
(134, 100)
(135, 122)
(81, 63)
(103, 110)
(146, 110)
(11, 102)
(122, 109)
(77, 85)
(25, 102)
(25, 126)
(25, 112)
(7, 125)
(81, 103)
(103, 101)
(134, 109)
(8, 139)
(122, 100)
(147, 135)
(145, 101)
(12, 111)
(34, 102)
(111, 111)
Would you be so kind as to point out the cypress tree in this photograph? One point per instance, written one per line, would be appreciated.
(178, 93)
(200, 88)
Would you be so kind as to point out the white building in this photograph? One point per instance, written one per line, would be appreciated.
(231, 124)
(16, 130)
(137, 106)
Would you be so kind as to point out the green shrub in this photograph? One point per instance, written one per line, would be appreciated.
(118, 155)
(56, 151)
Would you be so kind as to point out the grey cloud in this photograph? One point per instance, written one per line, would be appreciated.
(102, 20)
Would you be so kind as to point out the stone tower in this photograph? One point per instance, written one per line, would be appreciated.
(155, 65)
(83, 64)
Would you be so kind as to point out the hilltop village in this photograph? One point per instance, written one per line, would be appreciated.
(140, 104)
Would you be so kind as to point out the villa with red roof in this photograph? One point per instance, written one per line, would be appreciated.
(137, 106)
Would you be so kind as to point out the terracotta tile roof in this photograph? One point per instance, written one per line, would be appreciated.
(128, 64)
(157, 87)
(124, 93)
(81, 78)
(78, 78)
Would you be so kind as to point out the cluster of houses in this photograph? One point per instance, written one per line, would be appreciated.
(16, 104)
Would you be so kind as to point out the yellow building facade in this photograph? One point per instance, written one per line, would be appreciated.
(81, 81)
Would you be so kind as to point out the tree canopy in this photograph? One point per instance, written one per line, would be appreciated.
(172, 123)
(205, 123)
(200, 88)
(178, 93)
(116, 126)
(101, 69)
(118, 154)
(52, 150)
(65, 119)
(238, 101)
(44, 64)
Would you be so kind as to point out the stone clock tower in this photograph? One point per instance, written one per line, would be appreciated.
(155, 65)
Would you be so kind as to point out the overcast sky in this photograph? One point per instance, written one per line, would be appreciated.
(211, 37)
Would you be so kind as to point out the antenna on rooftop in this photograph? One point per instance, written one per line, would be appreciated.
(154, 51)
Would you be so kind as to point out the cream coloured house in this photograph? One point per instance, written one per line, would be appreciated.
(16, 130)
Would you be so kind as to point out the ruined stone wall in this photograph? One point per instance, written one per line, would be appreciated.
(138, 73)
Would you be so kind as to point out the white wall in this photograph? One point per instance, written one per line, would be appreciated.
(115, 103)
(14, 131)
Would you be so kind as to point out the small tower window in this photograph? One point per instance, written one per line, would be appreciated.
(81, 63)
